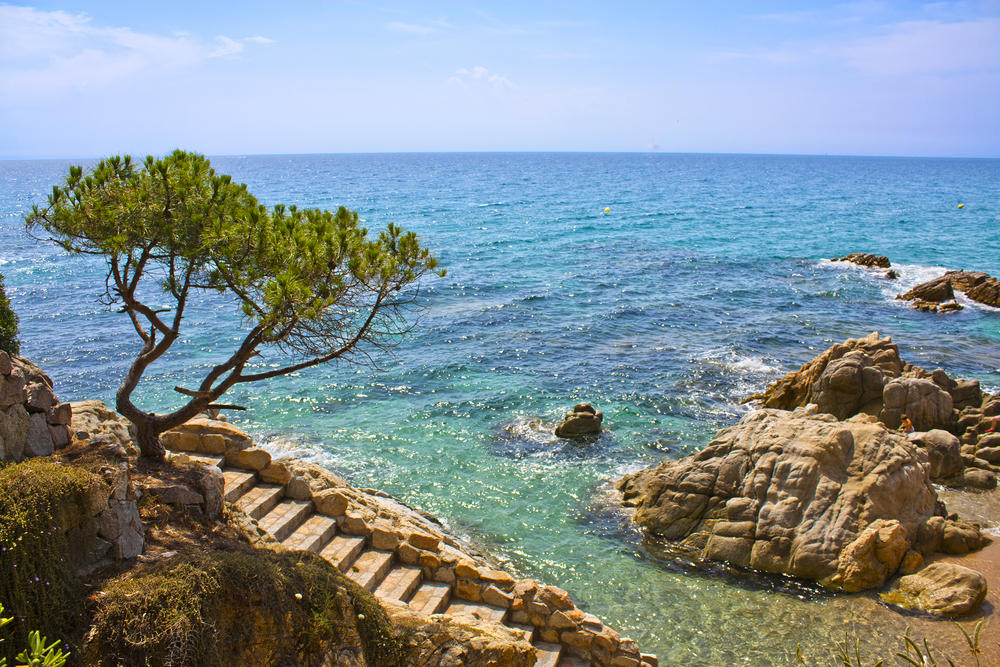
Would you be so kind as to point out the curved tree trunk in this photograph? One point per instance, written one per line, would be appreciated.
(148, 438)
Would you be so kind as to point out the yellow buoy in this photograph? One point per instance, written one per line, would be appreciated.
(961, 205)
(607, 209)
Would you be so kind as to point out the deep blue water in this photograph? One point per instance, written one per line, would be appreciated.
(706, 281)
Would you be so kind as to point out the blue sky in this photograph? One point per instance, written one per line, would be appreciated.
(83, 79)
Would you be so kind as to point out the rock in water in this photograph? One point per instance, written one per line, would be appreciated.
(865, 259)
(797, 493)
(583, 420)
(941, 588)
(938, 290)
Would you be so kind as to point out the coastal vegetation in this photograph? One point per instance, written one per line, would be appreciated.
(310, 284)
(8, 324)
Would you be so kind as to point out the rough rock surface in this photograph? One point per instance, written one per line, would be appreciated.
(925, 403)
(793, 492)
(938, 290)
(944, 452)
(583, 420)
(32, 420)
(941, 588)
(865, 259)
(94, 421)
(976, 285)
(799, 388)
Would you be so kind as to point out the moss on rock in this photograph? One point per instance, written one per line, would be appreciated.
(239, 607)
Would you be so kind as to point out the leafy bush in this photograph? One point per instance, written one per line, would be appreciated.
(39, 652)
(8, 324)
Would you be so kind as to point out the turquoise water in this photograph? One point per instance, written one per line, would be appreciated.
(704, 283)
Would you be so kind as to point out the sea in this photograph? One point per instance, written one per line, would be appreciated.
(662, 288)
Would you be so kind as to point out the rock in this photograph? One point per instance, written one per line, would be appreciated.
(276, 473)
(944, 452)
(120, 524)
(5, 365)
(212, 487)
(938, 290)
(12, 389)
(977, 285)
(941, 588)
(911, 562)
(60, 436)
(248, 459)
(891, 275)
(298, 488)
(965, 394)
(926, 404)
(989, 454)
(988, 441)
(173, 494)
(796, 388)
(61, 414)
(847, 385)
(39, 440)
(584, 420)
(95, 418)
(14, 431)
(979, 479)
(960, 537)
(794, 493)
(331, 502)
(40, 397)
(865, 259)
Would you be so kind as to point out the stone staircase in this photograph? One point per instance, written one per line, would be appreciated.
(414, 570)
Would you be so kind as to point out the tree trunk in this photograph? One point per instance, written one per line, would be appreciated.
(148, 438)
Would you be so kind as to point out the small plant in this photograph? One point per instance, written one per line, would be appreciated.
(8, 324)
(37, 654)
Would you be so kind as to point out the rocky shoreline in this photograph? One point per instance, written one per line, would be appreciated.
(820, 484)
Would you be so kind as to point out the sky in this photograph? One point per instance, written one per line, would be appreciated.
(88, 79)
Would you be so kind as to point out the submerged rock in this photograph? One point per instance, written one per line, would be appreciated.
(583, 420)
(940, 588)
(796, 493)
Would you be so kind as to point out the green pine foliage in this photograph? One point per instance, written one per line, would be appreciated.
(8, 324)
(310, 283)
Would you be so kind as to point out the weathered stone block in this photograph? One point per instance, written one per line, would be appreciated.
(468, 589)
(248, 459)
(213, 443)
(496, 597)
(39, 439)
(279, 473)
(60, 435)
(467, 570)
(429, 560)
(555, 597)
(424, 541)
(298, 488)
(356, 522)
(329, 502)
(61, 414)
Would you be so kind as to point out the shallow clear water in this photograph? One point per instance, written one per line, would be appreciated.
(705, 282)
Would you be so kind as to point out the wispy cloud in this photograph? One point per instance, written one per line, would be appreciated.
(50, 52)
(479, 76)
(929, 47)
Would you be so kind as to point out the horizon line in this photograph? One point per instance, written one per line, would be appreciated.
(520, 152)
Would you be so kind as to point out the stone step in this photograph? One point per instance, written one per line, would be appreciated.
(526, 629)
(315, 532)
(285, 517)
(207, 459)
(343, 550)
(370, 568)
(399, 583)
(431, 598)
(481, 611)
(237, 482)
(259, 500)
(548, 654)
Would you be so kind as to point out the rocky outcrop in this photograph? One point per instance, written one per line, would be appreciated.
(32, 420)
(798, 493)
(865, 259)
(100, 425)
(926, 404)
(940, 588)
(939, 294)
(583, 420)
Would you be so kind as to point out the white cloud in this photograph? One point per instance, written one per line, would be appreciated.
(480, 76)
(51, 52)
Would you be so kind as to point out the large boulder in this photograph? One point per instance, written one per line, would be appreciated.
(944, 452)
(978, 286)
(940, 588)
(849, 385)
(926, 404)
(801, 387)
(797, 493)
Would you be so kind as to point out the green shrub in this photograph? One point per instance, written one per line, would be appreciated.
(236, 607)
(41, 500)
(8, 324)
